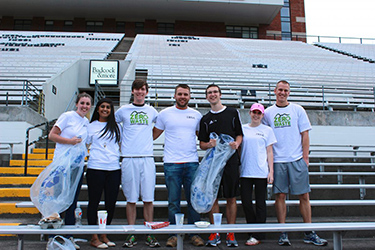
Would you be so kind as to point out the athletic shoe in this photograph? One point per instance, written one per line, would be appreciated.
(252, 241)
(151, 241)
(74, 243)
(313, 238)
(231, 240)
(197, 241)
(172, 241)
(283, 240)
(130, 241)
(213, 240)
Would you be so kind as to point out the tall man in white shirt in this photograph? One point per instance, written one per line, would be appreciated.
(181, 125)
(291, 126)
(138, 173)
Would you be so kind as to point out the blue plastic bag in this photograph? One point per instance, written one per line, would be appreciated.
(54, 189)
(207, 178)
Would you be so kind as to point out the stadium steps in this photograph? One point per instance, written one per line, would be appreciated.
(16, 170)
(15, 187)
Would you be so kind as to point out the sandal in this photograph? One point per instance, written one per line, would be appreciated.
(252, 242)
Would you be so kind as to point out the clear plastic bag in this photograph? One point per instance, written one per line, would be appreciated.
(65, 244)
(207, 178)
(54, 189)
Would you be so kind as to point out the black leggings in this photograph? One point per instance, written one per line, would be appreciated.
(97, 181)
(260, 213)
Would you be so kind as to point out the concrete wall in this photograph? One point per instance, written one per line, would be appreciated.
(14, 121)
(66, 85)
(74, 78)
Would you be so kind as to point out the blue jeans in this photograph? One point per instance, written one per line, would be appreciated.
(176, 176)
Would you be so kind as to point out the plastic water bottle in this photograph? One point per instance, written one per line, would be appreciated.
(78, 215)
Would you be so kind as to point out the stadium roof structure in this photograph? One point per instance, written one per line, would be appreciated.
(230, 11)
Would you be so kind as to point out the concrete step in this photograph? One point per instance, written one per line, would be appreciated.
(38, 156)
(10, 208)
(43, 150)
(36, 163)
(15, 193)
(20, 170)
(17, 180)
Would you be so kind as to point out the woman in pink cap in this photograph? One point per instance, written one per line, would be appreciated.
(256, 168)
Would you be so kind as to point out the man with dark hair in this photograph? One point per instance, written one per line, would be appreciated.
(223, 120)
(138, 173)
(291, 126)
(181, 124)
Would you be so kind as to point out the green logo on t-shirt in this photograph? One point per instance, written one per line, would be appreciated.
(282, 120)
(138, 118)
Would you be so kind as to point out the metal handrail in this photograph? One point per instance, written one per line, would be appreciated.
(71, 101)
(27, 143)
(30, 95)
(338, 39)
(99, 93)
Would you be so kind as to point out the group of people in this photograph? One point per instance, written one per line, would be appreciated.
(272, 148)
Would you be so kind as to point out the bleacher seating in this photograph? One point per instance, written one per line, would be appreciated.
(38, 56)
(348, 83)
(365, 52)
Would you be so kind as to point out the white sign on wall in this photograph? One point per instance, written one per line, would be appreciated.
(105, 72)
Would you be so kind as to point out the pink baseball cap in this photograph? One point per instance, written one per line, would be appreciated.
(257, 106)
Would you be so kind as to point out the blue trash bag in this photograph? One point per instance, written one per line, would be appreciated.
(54, 189)
(207, 178)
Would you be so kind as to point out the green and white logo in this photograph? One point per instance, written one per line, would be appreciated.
(138, 118)
(282, 120)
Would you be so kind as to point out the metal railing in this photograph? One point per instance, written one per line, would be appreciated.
(313, 96)
(71, 103)
(328, 39)
(98, 94)
(44, 136)
(22, 92)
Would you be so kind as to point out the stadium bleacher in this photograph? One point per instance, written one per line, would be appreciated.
(319, 78)
(342, 176)
(38, 56)
(364, 52)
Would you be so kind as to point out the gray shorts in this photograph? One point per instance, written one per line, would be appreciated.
(291, 174)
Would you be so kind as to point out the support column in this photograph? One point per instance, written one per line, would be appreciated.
(337, 240)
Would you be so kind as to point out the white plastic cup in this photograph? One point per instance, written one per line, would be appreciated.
(102, 218)
(217, 219)
(179, 219)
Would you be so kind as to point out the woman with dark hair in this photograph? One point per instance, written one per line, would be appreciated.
(103, 168)
(69, 130)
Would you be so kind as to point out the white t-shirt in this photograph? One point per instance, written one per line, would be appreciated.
(104, 152)
(181, 126)
(287, 123)
(70, 124)
(137, 123)
(254, 145)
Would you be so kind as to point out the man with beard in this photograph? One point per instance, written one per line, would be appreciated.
(181, 125)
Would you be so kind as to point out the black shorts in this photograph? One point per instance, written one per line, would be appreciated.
(230, 182)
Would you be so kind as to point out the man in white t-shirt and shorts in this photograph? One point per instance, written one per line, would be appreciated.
(181, 125)
(291, 126)
(138, 172)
